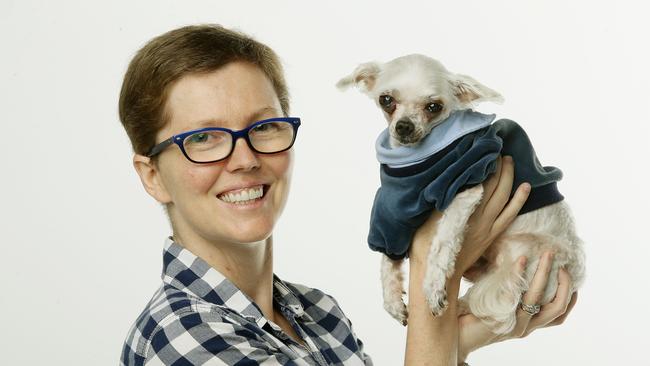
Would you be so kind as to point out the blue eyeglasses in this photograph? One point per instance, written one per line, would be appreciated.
(212, 144)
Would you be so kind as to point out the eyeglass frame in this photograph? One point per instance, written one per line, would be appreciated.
(178, 139)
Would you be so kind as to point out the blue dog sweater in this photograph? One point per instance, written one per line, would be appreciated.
(408, 193)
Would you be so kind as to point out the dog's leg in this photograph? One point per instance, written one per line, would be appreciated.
(392, 281)
(446, 244)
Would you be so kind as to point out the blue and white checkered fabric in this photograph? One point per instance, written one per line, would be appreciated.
(199, 317)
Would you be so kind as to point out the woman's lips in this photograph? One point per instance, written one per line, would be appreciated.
(241, 186)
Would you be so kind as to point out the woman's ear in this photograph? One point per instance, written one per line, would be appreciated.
(363, 77)
(150, 177)
(468, 91)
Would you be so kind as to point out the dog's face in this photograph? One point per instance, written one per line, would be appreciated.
(415, 94)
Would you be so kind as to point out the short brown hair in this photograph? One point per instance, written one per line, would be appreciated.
(179, 52)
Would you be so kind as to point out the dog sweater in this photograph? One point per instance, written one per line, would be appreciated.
(463, 151)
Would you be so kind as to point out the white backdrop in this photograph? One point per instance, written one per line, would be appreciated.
(81, 240)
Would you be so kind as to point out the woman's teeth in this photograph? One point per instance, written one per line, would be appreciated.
(244, 196)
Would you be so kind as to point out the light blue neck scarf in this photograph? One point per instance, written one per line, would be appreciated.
(459, 123)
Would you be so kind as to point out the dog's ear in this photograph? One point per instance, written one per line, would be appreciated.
(469, 91)
(363, 77)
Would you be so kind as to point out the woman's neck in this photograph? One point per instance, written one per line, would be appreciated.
(248, 265)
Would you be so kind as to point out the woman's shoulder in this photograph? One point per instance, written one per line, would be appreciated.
(170, 311)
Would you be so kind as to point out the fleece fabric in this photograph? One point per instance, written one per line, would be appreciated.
(409, 193)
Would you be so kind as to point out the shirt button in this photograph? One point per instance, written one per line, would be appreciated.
(297, 309)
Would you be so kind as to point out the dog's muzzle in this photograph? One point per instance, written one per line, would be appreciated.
(404, 128)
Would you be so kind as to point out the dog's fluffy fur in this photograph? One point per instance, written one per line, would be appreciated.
(416, 93)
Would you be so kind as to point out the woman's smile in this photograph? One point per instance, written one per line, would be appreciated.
(250, 197)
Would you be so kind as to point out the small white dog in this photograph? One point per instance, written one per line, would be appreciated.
(419, 97)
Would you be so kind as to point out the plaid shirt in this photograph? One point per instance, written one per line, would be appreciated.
(199, 317)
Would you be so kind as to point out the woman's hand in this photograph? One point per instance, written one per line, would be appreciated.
(492, 216)
(434, 340)
(473, 333)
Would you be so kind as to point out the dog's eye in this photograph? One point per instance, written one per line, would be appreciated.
(434, 107)
(385, 100)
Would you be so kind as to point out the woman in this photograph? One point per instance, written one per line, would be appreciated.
(221, 99)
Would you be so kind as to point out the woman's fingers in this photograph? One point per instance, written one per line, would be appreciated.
(490, 184)
(558, 306)
(503, 189)
(533, 295)
(511, 210)
(538, 285)
(560, 319)
(553, 313)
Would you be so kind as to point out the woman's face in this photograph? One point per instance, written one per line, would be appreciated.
(234, 97)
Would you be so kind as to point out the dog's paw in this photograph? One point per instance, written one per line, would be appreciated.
(437, 302)
(397, 309)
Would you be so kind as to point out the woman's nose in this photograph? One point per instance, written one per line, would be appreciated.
(242, 157)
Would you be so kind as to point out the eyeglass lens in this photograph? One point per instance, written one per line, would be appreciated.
(269, 137)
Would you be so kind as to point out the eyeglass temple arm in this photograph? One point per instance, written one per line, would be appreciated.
(158, 148)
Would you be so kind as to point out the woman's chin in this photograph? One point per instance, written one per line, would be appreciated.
(251, 232)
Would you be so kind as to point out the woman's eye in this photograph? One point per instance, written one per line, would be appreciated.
(385, 100)
(265, 127)
(198, 137)
(261, 128)
(434, 107)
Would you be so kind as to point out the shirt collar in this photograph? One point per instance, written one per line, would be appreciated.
(185, 271)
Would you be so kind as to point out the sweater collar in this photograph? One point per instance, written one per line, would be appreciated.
(458, 124)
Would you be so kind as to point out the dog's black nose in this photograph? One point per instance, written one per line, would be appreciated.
(404, 127)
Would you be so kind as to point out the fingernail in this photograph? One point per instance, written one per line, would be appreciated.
(526, 187)
(508, 158)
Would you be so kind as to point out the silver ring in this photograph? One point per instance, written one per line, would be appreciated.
(530, 309)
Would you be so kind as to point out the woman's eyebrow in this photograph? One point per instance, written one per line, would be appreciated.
(262, 111)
